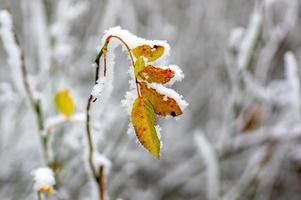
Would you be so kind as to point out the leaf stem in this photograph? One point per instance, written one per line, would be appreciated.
(130, 54)
(39, 195)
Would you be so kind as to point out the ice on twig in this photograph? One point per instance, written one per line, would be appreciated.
(101, 160)
(212, 168)
(10, 46)
(98, 88)
(134, 41)
(250, 39)
(293, 79)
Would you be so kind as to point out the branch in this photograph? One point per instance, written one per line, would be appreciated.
(212, 166)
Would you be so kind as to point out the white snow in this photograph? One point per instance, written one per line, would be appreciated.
(169, 93)
(98, 87)
(68, 11)
(236, 37)
(249, 41)
(128, 100)
(9, 43)
(130, 95)
(101, 160)
(131, 130)
(43, 178)
(159, 130)
(134, 41)
(212, 168)
(292, 73)
(179, 75)
(10, 46)
(55, 121)
(293, 79)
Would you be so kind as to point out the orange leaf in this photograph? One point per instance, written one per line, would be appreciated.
(148, 52)
(153, 74)
(143, 119)
(162, 105)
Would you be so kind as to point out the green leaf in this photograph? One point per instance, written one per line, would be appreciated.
(139, 65)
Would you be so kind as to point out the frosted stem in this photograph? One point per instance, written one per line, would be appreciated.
(212, 166)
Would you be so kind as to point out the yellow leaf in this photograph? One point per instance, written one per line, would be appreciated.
(64, 103)
(148, 52)
(143, 119)
(153, 74)
(162, 105)
(48, 190)
(139, 65)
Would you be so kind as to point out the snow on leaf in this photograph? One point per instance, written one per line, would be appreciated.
(43, 180)
(64, 103)
(153, 74)
(151, 53)
(163, 105)
(143, 119)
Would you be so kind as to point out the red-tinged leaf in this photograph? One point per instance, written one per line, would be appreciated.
(143, 119)
(153, 74)
(163, 105)
(148, 52)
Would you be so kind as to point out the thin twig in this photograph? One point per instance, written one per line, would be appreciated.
(101, 183)
(35, 103)
(99, 178)
(88, 109)
(39, 194)
(212, 165)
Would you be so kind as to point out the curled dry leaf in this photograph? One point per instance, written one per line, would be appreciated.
(163, 105)
(143, 119)
(64, 103)
(151, 53)
(153, 74)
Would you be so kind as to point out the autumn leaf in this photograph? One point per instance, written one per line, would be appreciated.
(48, 190)
(153, 74)
(143, 119)
(64, 103)
(148, 52)
(163, 105)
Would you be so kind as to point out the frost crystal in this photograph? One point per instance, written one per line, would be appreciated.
(10, 46)
(43, 178)
(9, 43)
(134, 41)
(101, 160)
(179, 75)
(98, 88)
(250, 38)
